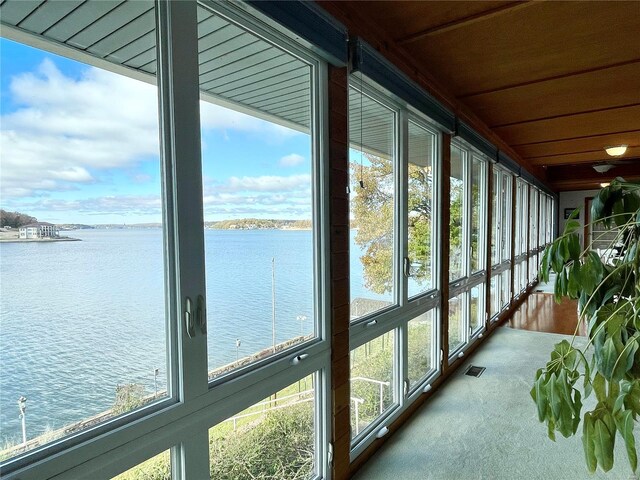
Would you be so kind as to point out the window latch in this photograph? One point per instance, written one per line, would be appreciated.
(298, 358)
(189, 320)
(407, 267)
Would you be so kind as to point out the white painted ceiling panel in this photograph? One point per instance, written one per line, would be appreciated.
(236, 66)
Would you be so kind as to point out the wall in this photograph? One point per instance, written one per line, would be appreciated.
(572, 200)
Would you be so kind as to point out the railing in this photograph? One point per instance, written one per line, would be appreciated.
(359, 401)
(269, 402)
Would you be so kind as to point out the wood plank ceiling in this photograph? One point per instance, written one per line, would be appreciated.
(557, 81)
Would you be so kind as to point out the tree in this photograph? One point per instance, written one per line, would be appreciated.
(372, 209)
(15, 219)
(128, 397)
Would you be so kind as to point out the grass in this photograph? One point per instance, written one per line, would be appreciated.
(271, 444)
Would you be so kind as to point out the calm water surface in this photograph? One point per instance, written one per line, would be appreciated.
(79, 318)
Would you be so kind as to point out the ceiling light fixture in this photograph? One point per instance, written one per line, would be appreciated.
(616, 151)
(603, 167)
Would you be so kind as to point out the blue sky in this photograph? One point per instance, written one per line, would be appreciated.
(81, 145)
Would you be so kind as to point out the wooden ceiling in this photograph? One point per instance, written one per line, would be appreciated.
(556, 81)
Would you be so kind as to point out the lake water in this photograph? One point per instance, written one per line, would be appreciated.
(79, 318)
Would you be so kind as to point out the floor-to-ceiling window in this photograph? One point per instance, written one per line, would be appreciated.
(393, 163)
(522, 236)
(534, 239)
(501, 240)
(467, 237)
(179, 317)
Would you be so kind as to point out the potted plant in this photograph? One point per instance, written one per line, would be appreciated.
(608, 294)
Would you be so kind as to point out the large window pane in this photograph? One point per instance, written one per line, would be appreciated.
(505, 288)
(371, 381)
(258, 177)
(457, 307)
(522, 278)
(533, 219)
(457, 214)
(272, 439)
(422, 148)
(477, 311)
(421, 346)
(519, 218)
(505, 236)
(156, 468)
(372, 200)
(84, 334)
(496, 218)
(478, 230)
(496, 306)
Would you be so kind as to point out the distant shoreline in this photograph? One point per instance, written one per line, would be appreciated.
(6, 237)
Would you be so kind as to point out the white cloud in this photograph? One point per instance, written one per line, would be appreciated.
(261, 196)
(66, 130)
(291, 160)
(118, 205)
(266, 183)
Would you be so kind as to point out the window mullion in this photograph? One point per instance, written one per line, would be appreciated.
(402, 204)
(181, 148)
(192, 459)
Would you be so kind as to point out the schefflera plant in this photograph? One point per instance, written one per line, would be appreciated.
(608, 292)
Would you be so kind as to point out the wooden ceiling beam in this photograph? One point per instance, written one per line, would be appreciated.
(476, 17)
(581, 137)
(549, 79)
(579, 146)
(582, 177)
(588, 124)
(564, 115)
(360, 25)
(598, 156)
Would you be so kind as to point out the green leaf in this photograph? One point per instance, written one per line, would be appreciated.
(554, 396)
(604, 443)
(551, 427)
(538, 393)
(578, 408)
(588, 442)
(599, 386)
(573, 245)
(587, 386)
(624, 422)
(574, 285)
(608, 356)
(597, 206)
(572, 225)
(632, 400)
(619, 213)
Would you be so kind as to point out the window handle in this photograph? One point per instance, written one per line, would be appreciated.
(407, 267)
(382, 432)
(299, 358)
(371, 323)
(189, 319)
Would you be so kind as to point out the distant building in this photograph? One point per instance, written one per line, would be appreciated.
(39, 230)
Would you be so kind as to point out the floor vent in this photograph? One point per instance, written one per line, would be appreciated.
(474, 371)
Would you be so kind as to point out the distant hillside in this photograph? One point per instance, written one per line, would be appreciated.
(74, 226)
(259, 224)
(15, 219)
